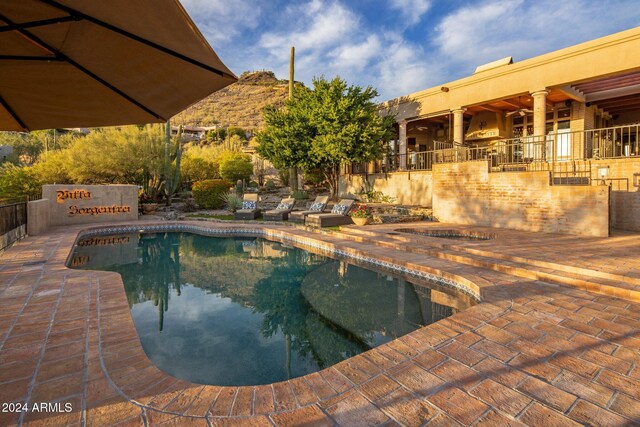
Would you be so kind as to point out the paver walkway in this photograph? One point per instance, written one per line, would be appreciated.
(533, 352)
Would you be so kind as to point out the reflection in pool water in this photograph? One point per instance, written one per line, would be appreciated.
(245, 310)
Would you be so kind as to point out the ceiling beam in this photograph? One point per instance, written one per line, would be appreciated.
(613, 93)
(489, 108)
(612, 81)
(511, 104)
(622, 109)
(571, 92)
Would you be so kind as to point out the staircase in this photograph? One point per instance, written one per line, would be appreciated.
(534, 269)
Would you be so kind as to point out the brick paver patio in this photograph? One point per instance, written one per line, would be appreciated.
(554, 342)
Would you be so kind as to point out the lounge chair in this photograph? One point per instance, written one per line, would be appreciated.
(338, 216)
(281, 212)
(249, 207)
(318, 206)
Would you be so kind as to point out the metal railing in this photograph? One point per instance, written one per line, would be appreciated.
(13, 221)
(613, 142)
(564, 152)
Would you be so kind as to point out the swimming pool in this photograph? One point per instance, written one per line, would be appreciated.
(245, 310)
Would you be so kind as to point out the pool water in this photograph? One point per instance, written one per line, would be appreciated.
(248, 311)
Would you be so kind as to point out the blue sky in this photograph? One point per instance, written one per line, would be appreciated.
(398, 46)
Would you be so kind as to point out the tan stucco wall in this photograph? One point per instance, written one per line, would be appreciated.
(466, 193)
(91, 199)
(37, 217)
(413, 188)
(616, 53)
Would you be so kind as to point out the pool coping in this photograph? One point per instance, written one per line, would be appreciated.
(110, 356)
(354, 386)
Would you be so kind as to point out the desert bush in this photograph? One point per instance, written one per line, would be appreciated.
(198, 169)
(283, 175)
(269, 185)
(235, 166)
(18, 182)
(233, 201)
(314, 177)
(300, 195)
(189, 205)
(210, 193)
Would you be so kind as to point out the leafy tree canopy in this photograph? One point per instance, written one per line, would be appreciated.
(322, 128)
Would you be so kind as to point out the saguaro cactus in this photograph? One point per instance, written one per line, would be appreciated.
(293, 172)
(172, 177)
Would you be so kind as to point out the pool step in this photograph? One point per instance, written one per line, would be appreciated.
(598, 282)
(571, 270)
(467, 275)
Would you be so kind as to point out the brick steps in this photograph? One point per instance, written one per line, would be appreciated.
(568, 269)
(598, 282)
(459, 272)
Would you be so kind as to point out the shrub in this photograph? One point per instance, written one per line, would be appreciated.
(210, 193)
(233, 201)
(314, 177)
(283, 175)
(18, 182)
(235, 166)
(300, 195)
(269, 185)
(198, 169)
(189, 205)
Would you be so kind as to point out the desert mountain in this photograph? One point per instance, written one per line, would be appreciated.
(239, 104)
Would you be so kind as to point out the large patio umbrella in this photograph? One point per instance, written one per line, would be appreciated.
(84, 63)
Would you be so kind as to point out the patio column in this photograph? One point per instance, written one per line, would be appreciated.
(402, 144)
(458, 126)
(539, 111)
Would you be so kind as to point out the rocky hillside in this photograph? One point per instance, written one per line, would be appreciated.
(239, 104)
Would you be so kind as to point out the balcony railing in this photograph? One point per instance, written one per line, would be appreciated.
(554, 151)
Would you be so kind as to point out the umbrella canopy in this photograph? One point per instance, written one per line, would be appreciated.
(79, 63)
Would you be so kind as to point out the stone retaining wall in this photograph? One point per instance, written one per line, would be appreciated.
(466, 193)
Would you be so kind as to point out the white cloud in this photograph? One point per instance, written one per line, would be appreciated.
(222, 20)
(332, 37)
(317, 25)
(412, 10)
(355, 57)
(405, 68)
(476, 34)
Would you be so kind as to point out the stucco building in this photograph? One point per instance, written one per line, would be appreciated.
(550, 143)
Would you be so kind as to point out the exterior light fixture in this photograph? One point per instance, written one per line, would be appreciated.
(444, 89)
(603, 173)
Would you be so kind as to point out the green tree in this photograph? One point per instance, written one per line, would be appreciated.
(27, 147)
(322, 128)
(235, 166)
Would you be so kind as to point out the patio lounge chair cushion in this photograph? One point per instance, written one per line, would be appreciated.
(317, 207)
(249, 204)
(282, 206)
(340, 209)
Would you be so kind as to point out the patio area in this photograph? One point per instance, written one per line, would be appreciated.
(555, 340)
